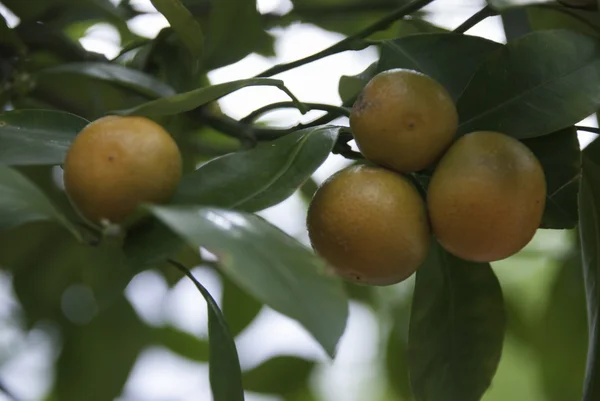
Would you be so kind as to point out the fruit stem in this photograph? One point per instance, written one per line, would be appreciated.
(476, 18)
(338, 111)
(353, 42)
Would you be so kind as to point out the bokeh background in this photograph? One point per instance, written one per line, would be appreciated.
(546, 342)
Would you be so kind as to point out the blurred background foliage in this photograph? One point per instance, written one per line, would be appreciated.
(75, 295)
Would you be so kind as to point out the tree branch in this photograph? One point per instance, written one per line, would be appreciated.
(336, 110)
(353, 42)
(588, 129)
(476, 18)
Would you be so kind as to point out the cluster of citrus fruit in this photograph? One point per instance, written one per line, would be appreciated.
(484, 201)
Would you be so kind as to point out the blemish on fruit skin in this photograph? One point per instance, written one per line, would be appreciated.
(111, 158)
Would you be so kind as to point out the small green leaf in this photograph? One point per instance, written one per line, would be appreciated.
(261, 177)
(273, 267)
(449, 58)
(560, 156)
(281, 375)
(538, 84)
(456, 329)
(22, 202)
(185, 344)
(589, 230)
(224, 366)
(150, 243)
(350, 85)
(126, 77)
(187, 101)
(239, 307)
(37, 137)
(184, 24)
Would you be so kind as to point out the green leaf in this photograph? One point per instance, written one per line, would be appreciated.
(187, 101)
(181, 343)
(273, 267)
(233, 30)
(456, 329)
(396, 355)
(281, 375)
(578, 20)
(96, 359)
(125, 77)
(22, 202)
(150, 243)
(589, 230)
(185, 26)
(449, 58)
(560, 156)
(239, 307)
(350, 85)
(224, 366)
(561, 341)
(37, 137)
(255, 179)
(541, 83)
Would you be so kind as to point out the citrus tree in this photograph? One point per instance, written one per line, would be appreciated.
(446, 342)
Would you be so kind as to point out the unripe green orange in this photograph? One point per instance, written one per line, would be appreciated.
(370, 224)
(116, 163)
(403, 120)
(486, 197)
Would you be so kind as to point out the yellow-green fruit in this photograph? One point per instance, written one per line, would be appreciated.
(403, 120)
(486, 197)
(370, 224)
(115, 163)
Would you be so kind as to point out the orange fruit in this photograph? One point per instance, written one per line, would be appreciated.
(116, 163)
(486, 197)
(370, 225)
(403, 120)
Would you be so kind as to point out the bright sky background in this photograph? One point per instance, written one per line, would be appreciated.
(160, 375)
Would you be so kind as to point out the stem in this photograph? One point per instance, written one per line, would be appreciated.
(353, 42)
(251, 134)
(338, 111)
(588, 129)
(475, 19)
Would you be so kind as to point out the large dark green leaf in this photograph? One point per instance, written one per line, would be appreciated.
(267, 263)
(507, 4)
(181, 343)
(96, 359)
(261, 177)
(560, 156)
(116, 74)
(239, 307)
(187, 28)
(449, 58)
(541, 83)
(37, 137)
(233, 30)
(224, 365)
(456, 329)
(589, 229)
(22, 202)
(187, 101)
(281, 375)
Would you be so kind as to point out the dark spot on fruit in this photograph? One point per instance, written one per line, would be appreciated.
(111, 158)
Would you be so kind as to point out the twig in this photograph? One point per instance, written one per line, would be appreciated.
(588, 129)
(476, 18)
(338, 111)
(353, 42)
